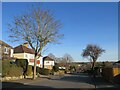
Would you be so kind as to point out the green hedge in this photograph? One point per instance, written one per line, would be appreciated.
(29, 71)
(56, 68)
(43, 71)
(10, 70)
(23, 63)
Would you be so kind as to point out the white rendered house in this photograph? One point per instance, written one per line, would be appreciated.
(23, 52)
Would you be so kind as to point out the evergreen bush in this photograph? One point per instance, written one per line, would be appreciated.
(23, 63)
(9, 70)
(29, 71)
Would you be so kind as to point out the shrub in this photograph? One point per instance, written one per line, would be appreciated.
(15, 71)
(56, 68)
(29, 70)
(5, 68)
(38, 69)
(61, 72)
(22, 63)
(52, 72)
(9, 69)
(44, 71)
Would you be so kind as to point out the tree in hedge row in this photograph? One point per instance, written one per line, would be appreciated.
(22, 63)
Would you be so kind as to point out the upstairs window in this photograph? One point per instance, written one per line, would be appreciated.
(6, 50)
(47, 62)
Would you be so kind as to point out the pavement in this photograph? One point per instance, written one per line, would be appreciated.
(68, 81)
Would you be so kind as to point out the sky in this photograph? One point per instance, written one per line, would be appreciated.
(83, 23)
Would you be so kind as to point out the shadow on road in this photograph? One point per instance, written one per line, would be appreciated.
(20, 86)
(17, 86)
(78, 78)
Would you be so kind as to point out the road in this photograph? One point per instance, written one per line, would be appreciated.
(69, 81)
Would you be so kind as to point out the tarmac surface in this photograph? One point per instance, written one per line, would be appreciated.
(69, 81)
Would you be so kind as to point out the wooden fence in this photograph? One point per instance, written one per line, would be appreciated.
(111, 74)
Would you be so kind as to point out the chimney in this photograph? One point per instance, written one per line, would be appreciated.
(26, 44)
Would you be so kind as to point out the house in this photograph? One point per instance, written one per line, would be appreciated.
(116, 64)
(48, 62)
(24, 52)
(6, 51)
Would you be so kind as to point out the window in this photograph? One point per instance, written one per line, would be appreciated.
(6, 50)
(26, 55)
(47, 62)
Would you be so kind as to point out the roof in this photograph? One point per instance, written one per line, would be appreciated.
(5, 44)
(47, 58)
(23, 49)
(118, 61)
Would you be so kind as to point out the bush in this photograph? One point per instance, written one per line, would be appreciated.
(5, 68)
(9, 69)
(29, 70)
(15, 71)
(22, 63)
(61, 72)
(38, 69)
(56, 68)
(51, 72)
(44, 71)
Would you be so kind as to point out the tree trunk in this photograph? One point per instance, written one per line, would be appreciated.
(34, 72)
(93, 72)
(93, 65)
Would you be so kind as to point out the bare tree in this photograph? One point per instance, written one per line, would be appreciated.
(67, 58)
(51, 56)
(92, 52)
(66, 61)
(38, 27)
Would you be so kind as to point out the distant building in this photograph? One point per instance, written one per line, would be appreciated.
(24, 52)
(48, 62)
(6, 51)
(116, 64)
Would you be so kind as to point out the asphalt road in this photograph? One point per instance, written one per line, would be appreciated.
(70, 81)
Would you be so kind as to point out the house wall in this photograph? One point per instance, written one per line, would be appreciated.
(48, 64)
(11, 53)
(19, 55)
(30, 58)
(41, 61)
(6, 52)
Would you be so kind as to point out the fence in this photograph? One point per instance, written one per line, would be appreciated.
(111, 74)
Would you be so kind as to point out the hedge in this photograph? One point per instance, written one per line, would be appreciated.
(43, 71)
(29, 71)
(23, 63)
(10, 70)
(56, 68)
